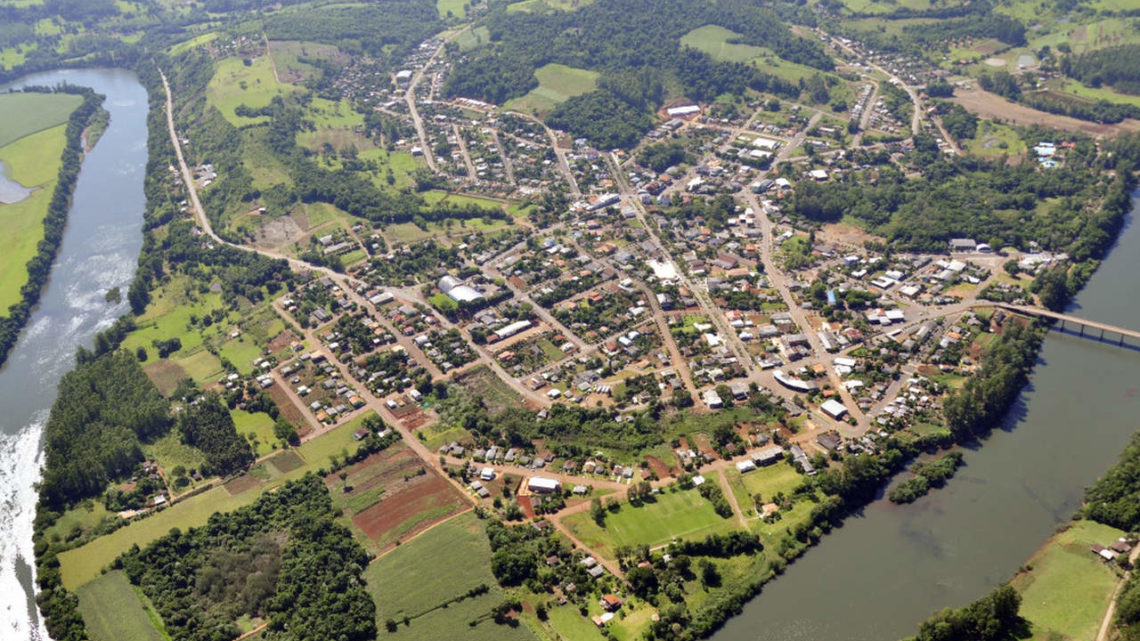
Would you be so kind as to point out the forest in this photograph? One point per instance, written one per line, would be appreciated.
(387, 32)
(206, 423)
(1117, 67)
(105, 409)
(994, 617)
(619, 39)
(284, 559)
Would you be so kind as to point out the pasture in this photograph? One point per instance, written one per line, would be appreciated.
(1068, 588)
(556, 84)
(673, 514)
(235, 83)
(32, 161)
(714, 40)
(114, 611)
(26, 113)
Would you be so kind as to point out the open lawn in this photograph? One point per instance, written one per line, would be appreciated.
(1068, 589)
(556, 84)
(473, 38)
(114, 611)
(235, 83)
(32, 161)
(27, 113)
(260, 426)
(542, 6)
(714, 40)
(80, 565)
(448, 8)
(673, 514)
(415, 579)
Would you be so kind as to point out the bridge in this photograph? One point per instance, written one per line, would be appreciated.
(1081, 324)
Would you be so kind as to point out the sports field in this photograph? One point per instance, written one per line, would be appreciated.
(672, 514)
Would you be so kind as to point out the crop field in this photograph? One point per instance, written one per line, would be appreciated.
(235, 83)
(410, 500)
(415, 579)
(1068, 589)
(556, 84)
(113, 611)
(32, 161)
(673, 514)
(26, 113)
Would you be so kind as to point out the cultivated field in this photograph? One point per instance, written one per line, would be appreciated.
(32, 161)
(27, 113)
(1068, 589)
(113, 611)
(392, 494)
(416, 579)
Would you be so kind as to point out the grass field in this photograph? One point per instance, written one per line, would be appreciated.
(1068, 589)
(766, 481)
(80, 565)
(541, 6)
(32, 161)
(473, 38)
(27, 113)
(260, 426)
(995, 139)
(556, 84)
(713, 40)
(673, 515)
(114, 611)
(236, 84)
(443, 563)
(457, 8)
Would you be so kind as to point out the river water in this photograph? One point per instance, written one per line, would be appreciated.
(890, 567)
(99, 251)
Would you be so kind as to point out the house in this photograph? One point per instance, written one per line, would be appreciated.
(829, 440)
(360, 434)
(745, 466)
(768, 455)
(610, 602)
(487, 474)
(963, 245)
(712, 399)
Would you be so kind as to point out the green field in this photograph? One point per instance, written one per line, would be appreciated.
(27, 113)
(114, 611)
(456, 8)
(416, 578)
(766, 481)
(542, 6)
(259, 425)
(714, 40)
(556, 84)
(235, 84)
(674, 514)
(473, 38)
(995, 139)
(1068, 589)
(32, 161)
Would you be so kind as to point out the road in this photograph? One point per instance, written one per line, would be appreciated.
(563, 163)
(410, 98)
(462, 142)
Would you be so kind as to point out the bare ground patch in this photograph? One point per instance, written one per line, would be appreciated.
(992, 106)
(845, 234)
(165, 375)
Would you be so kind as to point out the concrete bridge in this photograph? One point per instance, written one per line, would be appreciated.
(1091, 329)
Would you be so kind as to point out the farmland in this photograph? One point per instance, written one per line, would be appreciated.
(1067, 588)
(664, 517)
(32, 161)
(416, 579)
(391, 495)
(26, 113)
(114, 611)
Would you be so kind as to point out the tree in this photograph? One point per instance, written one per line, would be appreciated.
(710, 576)
(597, 512)
(285, 431)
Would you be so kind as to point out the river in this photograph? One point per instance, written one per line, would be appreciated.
(890, 567)
(99, 251)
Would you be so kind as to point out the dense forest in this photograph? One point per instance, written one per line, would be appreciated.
(994, 617)
(39, 266)
(284, 559)
(623, 40)
(387, 32)
(206, 424)
(105, 408)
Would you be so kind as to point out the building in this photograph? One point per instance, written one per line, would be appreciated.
(510, 330)
(712, 399)
(768, 455)
(745, 466)
(683, 111)
(834, 409)
(963, 245)
(540, 485)
(404, 77)
(457, 291)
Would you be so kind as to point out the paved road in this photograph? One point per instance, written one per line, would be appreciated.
(563, 163)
